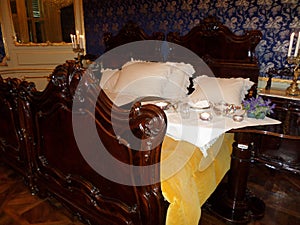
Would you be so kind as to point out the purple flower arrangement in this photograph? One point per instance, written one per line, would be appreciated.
(258, 107)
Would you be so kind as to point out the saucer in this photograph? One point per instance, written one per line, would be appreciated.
(205, 116)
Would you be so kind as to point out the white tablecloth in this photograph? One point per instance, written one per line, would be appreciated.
(203, 133)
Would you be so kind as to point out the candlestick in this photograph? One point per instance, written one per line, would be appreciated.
(78, 46)
(293, 89)
(291, 44)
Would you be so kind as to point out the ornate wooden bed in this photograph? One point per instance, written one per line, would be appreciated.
(41, 143)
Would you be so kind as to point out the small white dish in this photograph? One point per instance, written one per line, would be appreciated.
(205, 116)
(200, 105)
(238, 118)
(238, 115)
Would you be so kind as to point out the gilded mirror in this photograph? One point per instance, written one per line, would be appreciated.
(42, 21)
(2, 48)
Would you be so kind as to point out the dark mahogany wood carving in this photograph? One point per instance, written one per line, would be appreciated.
(62, 171)
(130, 32)
(278, 145)
(10, 142)
(16, 141)
(227, 54)
(43, 148)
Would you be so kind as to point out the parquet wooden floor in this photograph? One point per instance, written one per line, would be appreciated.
(19, 207)
(279, 190)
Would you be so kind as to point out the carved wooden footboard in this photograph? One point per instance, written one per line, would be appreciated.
(15, 141)
(10, 143)
(132, 136)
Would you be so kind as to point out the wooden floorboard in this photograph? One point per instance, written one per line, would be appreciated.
(279, 190)
(19, 207)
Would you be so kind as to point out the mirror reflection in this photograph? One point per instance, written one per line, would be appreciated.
(41, 21)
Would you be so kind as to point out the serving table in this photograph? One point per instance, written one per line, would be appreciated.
(276, 146)
(202, 134)
(196, 155)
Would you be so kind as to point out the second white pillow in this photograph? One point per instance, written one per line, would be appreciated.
(230, 90)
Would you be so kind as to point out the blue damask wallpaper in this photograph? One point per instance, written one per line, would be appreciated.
(277, 19)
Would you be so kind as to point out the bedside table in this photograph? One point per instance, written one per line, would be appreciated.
(279, 146)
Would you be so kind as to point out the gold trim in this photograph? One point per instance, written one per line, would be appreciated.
(277, 80)
(6, 57)
(48, 43)
(277, 93)
(78, 17)
(4, 61)
(36, 77)
(7, 71)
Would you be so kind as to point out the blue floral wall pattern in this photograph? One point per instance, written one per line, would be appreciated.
(277, 19)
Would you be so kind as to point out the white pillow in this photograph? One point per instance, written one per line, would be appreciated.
(230, 90)
(142, 79)
(178, 80)
(197, 95)
(166, 80)
(119, 99)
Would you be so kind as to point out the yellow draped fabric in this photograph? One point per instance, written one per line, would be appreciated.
(188, 178)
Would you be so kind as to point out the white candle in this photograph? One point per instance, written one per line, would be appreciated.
(297, 46)
(291, 44)
(77, 37)
(71, 39)
(81, 41)
(74, 41)
(71, 36)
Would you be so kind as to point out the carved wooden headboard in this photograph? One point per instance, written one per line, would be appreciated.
(129, 33)
(227, 54)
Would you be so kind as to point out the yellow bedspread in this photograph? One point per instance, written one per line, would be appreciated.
(188, 179)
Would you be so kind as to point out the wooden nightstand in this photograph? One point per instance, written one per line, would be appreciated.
(279, 145)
